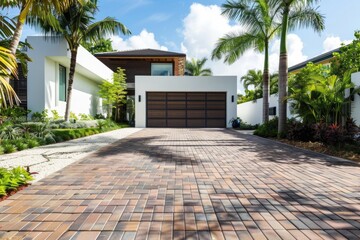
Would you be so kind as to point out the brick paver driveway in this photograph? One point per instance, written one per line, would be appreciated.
(191, 184)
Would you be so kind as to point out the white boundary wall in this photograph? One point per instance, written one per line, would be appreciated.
(355, 105)
(251, 112)
(145, 84)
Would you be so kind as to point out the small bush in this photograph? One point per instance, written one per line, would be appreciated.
(12, 179)
(268, 129)
(55, 115)
(32, 143)
(1, 150)
(40, 116)
(299, 131)
(84, 116)
(73, 116)
(99, 116)
(20, 145)
(9, 148)
(334, 135)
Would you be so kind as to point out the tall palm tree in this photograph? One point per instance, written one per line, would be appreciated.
(260, 20)
(295, 13)
(8, 65)
(76, 24)
(195, 67)
(30, 8)
(254, 78)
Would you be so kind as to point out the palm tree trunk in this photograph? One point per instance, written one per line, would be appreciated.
(266, 86)
(283, 73)
(70, 82)
(15, 41)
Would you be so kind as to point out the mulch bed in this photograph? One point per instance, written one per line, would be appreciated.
(349, 152)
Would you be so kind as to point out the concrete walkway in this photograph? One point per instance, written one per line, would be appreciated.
(48, 159)
(191, 184)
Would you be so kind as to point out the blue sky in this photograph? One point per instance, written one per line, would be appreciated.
(194, 26)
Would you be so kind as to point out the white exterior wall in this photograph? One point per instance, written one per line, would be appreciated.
(145, 84)
(251, 112)
(43, 77)
(355, 105)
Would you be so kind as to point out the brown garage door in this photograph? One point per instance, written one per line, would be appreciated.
(186, 109)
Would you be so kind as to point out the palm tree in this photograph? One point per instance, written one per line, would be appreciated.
(76, 24)
(30, 8)
(195, 67)
(295, 13)
(259, 18)
(8, 65)
(253, 77)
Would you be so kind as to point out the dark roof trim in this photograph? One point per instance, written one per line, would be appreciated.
(316, 59)
(141, 53)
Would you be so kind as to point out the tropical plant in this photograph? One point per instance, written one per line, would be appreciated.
(100, 45)
(114, 93)
(317, 96)
(76, 24)
(255, 78)
(294, 13)
(8, 65)
(259, 18)
(347, 58)
(195, 67)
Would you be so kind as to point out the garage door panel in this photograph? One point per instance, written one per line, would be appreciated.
(176, 96)
(156, 114)
(176, 105)
(156, 105)
(215, 113)
(216, 96)
(196, 123)
(196, 113)
(221, 105)
(196, 96)
(176, 114)
(156, 122)
(176, 123)
(196, 105)
(156, 96)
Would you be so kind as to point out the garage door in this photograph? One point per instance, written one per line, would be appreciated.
(186, 109)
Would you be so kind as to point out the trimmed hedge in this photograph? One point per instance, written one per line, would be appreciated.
(61, 135)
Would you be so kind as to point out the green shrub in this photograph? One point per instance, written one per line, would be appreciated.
(32, 143)
(299, 131)
(14, 114)
(55, 115)
(12, 179)
(20, 145)
(73, 116)
(10, 132)
(40, 116)
(1, 150)
(268, 129)
(9, 148)
(84, 116)
(67, 134)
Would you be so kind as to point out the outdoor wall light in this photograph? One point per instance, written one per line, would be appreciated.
(139, 98)
(232, 98)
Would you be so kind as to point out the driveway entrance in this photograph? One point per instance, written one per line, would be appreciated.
(191, 184)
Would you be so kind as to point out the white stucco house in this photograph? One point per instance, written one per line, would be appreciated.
(48, 76)
(161, 100)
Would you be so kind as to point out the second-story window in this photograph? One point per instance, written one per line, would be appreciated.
(162, 69)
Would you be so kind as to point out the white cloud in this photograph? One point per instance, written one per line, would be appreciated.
(144, 40)
(204, 25)
(332, 42)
